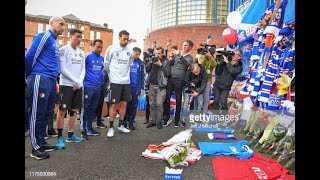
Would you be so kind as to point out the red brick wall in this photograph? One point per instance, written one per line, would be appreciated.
(31, 30)
(196, 33)
(107, 39)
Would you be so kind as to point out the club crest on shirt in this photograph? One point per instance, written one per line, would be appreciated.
(80, 55)
(128, 53)
(42, 95)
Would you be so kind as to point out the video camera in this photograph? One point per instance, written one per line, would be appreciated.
(155, 59)
(224, 52)
(206, 48)
(190, 88)
(149, 55)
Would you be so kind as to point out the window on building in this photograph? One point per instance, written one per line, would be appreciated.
(47, 27)
(40, 28)
(69, 26)
(91, 35)
(73, 26)
(82, 36)
(68, 33)
(82, 28)
(60, 42)
(81, 44)
(98, 35)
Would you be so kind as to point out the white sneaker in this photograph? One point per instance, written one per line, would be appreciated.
(110, 132)
(117, 115)
(123, 129)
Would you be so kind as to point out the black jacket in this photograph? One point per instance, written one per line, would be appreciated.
(226, 73)
(200, 80)
(179, 66)
(154, 71)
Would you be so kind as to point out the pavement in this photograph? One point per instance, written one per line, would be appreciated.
(115, 158)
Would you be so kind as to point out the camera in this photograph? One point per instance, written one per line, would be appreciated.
(206, 48)
(155, 59)
(147, 56)
(190, 88)
(224, 52)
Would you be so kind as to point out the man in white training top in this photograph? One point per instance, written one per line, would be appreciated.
(118, 58)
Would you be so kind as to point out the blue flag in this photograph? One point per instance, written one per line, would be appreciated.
(251, 17)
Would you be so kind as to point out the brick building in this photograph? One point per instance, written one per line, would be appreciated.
(35, 24)
(186, 19)
(198, 33)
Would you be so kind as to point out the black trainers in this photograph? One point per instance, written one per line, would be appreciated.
(39, 154)
(176, 124)
(48, 148)
(159, 125)
(166, 123)
(100, 125)
(84, 135)
(131, 127)
(151, 124)
(52, 133)
(93, 133)
(183, 122)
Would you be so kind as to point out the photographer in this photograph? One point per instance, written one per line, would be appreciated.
(226, 72)
(205, 58)
(196, 82)
(159, 70)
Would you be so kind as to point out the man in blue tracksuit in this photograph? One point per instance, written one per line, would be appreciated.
(137, 87)
(42, 68)
(93, 81)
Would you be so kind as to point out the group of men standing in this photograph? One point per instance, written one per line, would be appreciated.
(85, 79)
(180, 72)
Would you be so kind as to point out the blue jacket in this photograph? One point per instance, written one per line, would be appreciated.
(140, 77)
(94, 70)
(43, 57)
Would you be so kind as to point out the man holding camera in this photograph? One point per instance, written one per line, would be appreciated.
(209, 62)
(196, 82)
(159, 70)
(226, 72)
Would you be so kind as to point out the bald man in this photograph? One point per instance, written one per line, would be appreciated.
(42, 68)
